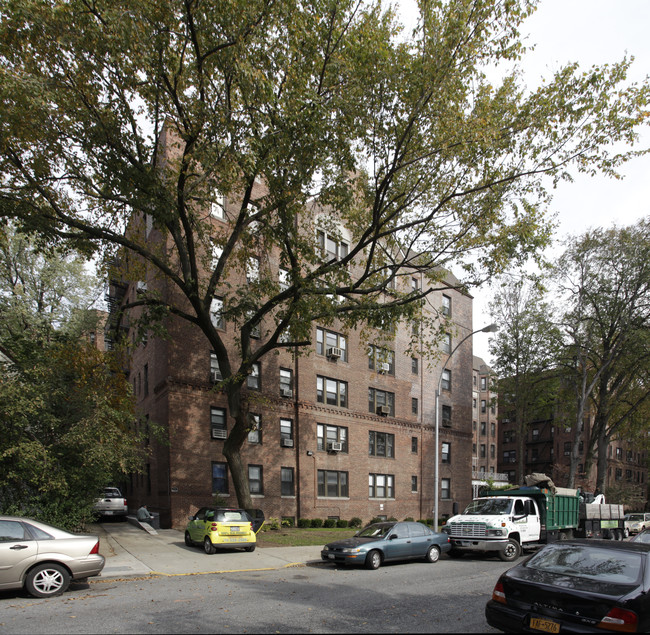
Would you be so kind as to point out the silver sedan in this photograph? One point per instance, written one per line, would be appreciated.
(44, 559)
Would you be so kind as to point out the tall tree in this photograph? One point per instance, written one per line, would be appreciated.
(524, 352)
(415, 159)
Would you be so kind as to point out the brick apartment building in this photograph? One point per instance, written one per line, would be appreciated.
(345, 430)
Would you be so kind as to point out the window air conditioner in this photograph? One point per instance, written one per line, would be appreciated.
(141, 286)
(286, 392)
(335, 446)
(383, 410)
(334, 353)
(286, 443)
(218, 433)
(446, 423)
(215, 376)
(384, 367)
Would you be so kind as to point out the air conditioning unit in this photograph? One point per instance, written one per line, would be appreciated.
(334, 353)
(446, 423)
(384, 367)
(141, 286)
(383, 411)
(335, 446)
(215, 376)
(286, 392)
(218, 433)
(286, 443)
(505, 420)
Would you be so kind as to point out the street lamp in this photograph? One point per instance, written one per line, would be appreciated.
(492, 328)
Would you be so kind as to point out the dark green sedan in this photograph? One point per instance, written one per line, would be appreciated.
(384, 542)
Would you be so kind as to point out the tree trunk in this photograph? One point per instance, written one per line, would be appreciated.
(232, 447)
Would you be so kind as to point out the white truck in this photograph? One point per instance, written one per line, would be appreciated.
(507, 521)
(111, 503)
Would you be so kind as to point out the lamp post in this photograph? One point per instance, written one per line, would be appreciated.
(492, 328)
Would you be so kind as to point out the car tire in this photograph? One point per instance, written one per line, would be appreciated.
(626, 533)
(433, 554)
(250, 548)
(188, 539)
(47, 580)
(208, 547)
(511, 552)
(373, 560)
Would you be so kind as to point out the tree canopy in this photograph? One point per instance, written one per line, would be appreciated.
(413, 157)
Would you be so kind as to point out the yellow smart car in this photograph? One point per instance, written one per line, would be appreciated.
(224, 528)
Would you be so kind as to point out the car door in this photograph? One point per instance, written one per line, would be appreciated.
(398, 543)
(17, 551)
(196, 527)
(420, 540)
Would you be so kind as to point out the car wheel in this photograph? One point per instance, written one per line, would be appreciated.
(626, 533)
(511, 552)
(433, 554)
(188, 539)
(208, 546)
(47, 580)
(373, 560)
(250, 548)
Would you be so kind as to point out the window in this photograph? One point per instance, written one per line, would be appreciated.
(446, 343)
(218, 205)
(567, 448)
(534, 455)
(146, 379)
(331, 391)
(219, 477)
(414, 483)
(415, 284)
(215, 371)
(483, 383)
(483, 406)
(331, 344)
(255, 482)
(414, 405)
(446, 416)
(286, 433)
(218, 426)
(216, 251)
(381, 402)
(492, 450)
(216, 313)
(287, 483)
(510, 456)
(446, 379)
(381, 486)
(445, 488)
(332, 249)
(483, 453)
(446, 453)
(508, 436)
(619, 451)
(414, 445)
(286, 382)
(483, 427)
(254, 429)
(283, 279)
(415, 365)
(326, 435)
(381, 359)
(253, 381)
(381, 444)
(535, 434)
(332, 484)
(493, 430)
(446, 306)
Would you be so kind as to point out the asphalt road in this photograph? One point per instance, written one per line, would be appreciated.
(446, 597)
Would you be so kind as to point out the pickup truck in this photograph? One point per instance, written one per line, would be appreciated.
(111, 503)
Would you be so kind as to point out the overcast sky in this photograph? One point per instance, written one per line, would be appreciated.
(588, 32)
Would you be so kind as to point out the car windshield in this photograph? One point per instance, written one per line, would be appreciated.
(644, 536)
(374, 531)
(231, 515)
(489, 506)
(589, 562)
(633, 517)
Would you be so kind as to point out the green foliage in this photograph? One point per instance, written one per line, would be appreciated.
(316, 523)
(304, 523)
(288, 522)
(376, 519)
(328, 523)
(355, 522)
(342, 524)
(408, 519)
(272, 524)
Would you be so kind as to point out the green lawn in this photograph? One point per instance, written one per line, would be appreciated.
(298, 537)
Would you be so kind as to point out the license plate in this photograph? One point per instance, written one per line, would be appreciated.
(108, 513)
(548, 626)
(242, 539)
(331, 556)
(236, 530)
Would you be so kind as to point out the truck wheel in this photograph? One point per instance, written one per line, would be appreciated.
(511, 552)
(618, 534)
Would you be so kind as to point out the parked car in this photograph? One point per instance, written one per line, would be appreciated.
(636, 522)
(44, 559)
(382, 542)
(642, 536)
(224, 528)
(577, 586)
(111, 503)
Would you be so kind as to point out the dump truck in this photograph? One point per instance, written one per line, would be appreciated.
(507, 522)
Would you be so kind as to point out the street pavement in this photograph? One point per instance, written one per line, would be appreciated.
(132, 552)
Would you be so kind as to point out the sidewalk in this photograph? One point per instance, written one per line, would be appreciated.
(130, 551)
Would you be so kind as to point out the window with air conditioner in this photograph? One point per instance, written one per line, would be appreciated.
(216, 313)
(253, 381)
(286, 383)
(286, 433)
(254, 428)
(331, 344)
(381, 402)
(381, 360)
(332, 247)
(218, 426)
(218, 205)
(446, 416)
(327, 435)
(215, 371)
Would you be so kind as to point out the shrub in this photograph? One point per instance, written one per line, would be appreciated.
(355, 522)
(289, 521)
(316, 523)
(376, 519)
(303, 523)
(392, 519)
(328, 523)
(341, 524)
(408, 519)
(272, 523)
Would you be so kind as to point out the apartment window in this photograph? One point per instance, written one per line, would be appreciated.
(492, 450)
(332, 484)
(332, 391)
(414, 405)
(474, 403)
(254, 428)
(381, 444)
(535, 434)
(331, 344)
(381, 486)
(619, 451)
(287, 482)
(381, 359)
(446, 306)
(286, 382)
(218, 205)
(215, 371)
(445, 488)
(286, 433)
(216, 251)
(216, 313)
(534, 455)
(415, 284)
(219, 477)
(508, 436)
(283, 279)
(253, 381)
(327, 435)
(483, 427)
(218, 423)
(252, 269)
(493, 429)
(446, 452)
(483, 406)
(255, 481)
(146, 379)
(381, 402)
(567, 448)
(619, 474)
(446, 343)
(414, 483)
(446, 416)
(415, 365)
(331, 248)
(256, 330)
(414, 445)
(510, 456)
(482, 454)
(446, 379)
(483, 383)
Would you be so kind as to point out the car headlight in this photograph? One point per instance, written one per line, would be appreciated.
(351, 550)
(495, 532)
